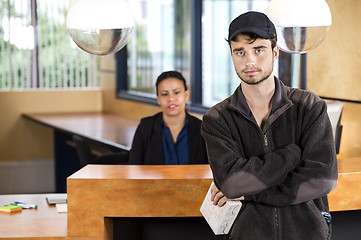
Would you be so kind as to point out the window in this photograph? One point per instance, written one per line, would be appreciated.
(160, 41)
(219, 79)
(36, 51)
(188, 36)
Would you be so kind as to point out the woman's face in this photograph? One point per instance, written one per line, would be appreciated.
(172, 96)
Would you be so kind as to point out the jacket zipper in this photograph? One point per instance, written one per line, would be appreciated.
(277, 224)
(265, 140)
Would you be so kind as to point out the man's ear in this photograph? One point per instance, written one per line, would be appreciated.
(276, 53)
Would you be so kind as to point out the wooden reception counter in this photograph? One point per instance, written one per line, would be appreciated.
(347, 194)
(97, 193)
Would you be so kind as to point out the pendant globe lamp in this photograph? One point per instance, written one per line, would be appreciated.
(301, 25)
(100, 27)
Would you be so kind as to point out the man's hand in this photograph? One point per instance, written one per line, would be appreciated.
(218, 198)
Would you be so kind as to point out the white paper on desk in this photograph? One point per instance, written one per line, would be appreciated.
(220, 219)
(61, 207)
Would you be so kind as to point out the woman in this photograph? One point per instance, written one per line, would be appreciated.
(171, 136)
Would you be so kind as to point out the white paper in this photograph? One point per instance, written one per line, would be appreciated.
(62, 207)
(220, 219)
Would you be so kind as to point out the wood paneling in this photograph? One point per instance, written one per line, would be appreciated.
(333, 68)
(98, 191)
(21, 139)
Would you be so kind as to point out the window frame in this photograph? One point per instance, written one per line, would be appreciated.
(54, 62)
(196, 66)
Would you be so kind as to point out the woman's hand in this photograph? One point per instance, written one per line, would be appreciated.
(218, 198)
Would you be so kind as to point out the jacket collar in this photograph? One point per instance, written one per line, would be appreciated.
(280, 99)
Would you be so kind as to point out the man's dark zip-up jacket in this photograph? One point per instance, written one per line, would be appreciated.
(284, 169)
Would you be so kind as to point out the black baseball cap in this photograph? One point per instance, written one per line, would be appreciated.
(253, 22)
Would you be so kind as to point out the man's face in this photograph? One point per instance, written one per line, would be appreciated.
(253, 61)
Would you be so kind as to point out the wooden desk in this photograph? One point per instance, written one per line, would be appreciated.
(41, 223)
(97, 193)
(347, 194)
(110, 129)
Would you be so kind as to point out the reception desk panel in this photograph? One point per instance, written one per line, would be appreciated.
(346, 196)
(97, 192)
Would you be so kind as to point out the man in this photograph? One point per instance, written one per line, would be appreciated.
(270, 145)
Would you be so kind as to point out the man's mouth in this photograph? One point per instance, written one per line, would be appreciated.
(251, 72)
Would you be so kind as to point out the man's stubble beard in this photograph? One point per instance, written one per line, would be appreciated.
(264, 77)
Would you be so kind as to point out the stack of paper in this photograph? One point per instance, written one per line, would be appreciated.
(220, 219)
(11, 209)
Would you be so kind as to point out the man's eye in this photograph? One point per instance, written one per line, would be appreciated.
(240, 53)
(259, 51)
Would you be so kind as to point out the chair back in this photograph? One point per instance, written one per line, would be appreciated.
(83, 151)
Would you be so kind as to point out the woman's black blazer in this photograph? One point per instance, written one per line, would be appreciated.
(147, 146)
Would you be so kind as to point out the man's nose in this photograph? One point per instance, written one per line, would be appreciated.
(250, 59)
